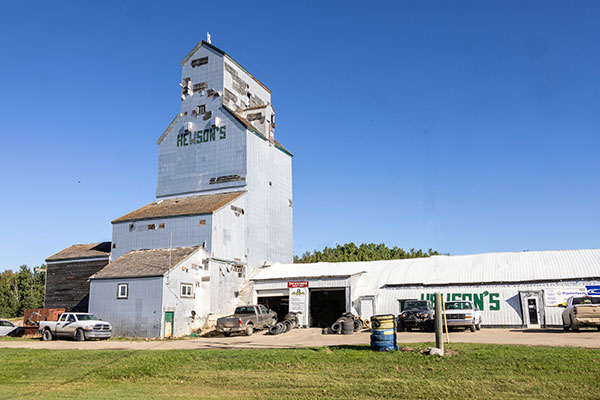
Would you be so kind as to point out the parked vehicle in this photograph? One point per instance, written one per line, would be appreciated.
(79, 326)
(417, 314)
(247, 319)
(7, 328)
(581, 311)
(463, 314)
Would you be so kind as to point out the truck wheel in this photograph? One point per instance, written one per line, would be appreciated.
(249, 330)
(473, 328)
(80, 335)
(430, 327)
(47, 335)
(226, 334)
(574, 326)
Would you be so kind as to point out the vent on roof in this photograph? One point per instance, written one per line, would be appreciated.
(199, 61)
(237, 210)
(226, 178)
(200, 86)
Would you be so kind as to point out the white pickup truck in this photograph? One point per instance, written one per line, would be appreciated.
(463, 314)
(79, 326)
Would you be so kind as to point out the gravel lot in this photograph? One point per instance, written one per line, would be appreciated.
(313, 338)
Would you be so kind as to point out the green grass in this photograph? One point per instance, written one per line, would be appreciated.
(352, 372)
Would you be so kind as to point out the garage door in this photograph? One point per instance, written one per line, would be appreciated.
(326, 306)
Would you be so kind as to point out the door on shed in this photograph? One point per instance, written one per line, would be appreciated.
(533, 314)
(367, 307)
(531, 306)
(169, 317)
(326, 306)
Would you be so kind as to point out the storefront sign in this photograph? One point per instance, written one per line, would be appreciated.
(481, 300)
(298, 303)
(554, 297)
(593, 290)
(297, 284)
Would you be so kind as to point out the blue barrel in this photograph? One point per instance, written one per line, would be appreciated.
(383, 333)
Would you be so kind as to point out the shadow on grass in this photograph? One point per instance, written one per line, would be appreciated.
(366, 347)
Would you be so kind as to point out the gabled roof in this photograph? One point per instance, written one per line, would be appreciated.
(251, 128)
(92, 250)
(192, 205)
(490, 268)
(144, 263)
(166, 132)
(210, 46)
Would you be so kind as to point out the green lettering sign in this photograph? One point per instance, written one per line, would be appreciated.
(478, 299)
(201, 136)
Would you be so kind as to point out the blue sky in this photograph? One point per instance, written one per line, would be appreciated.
(467, 127)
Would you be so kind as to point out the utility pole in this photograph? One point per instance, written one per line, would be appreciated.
(439, 333)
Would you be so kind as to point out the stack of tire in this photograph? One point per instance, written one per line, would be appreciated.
(383, 333)
(347, 324)
(289, 322)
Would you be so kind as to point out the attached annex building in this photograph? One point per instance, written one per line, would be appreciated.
(517, 289)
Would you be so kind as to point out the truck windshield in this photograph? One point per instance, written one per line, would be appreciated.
(458, 305)
(419, 305)
(87, 317)
(244, 310)
(586, 300)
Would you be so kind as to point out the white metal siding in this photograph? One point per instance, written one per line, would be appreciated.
(137, 316)
(186, 231)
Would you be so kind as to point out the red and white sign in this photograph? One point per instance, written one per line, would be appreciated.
(297, 284)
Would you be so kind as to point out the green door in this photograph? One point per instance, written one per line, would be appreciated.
(169, 315)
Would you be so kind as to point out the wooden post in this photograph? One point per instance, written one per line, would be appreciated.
(439, 334)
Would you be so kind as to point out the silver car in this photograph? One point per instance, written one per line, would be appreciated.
(7, 328)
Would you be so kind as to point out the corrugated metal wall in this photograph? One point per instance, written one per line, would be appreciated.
(178, 232)
(139, 315)
(501, 304)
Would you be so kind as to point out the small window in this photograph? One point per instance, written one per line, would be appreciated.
(201, 109)
(151, 227)
(199, 61)
(187, 290)
(200, 86)
(202, 222)
(63, 317)
(161, 226)
(131, 227)
(122, 290)
(72, 318)
(114, 245)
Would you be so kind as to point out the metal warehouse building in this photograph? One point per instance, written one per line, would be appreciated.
(520, 289)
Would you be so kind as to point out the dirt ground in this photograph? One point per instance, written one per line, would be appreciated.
(313, 338)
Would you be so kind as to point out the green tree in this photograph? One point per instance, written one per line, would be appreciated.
(21, 290)
(364, 252)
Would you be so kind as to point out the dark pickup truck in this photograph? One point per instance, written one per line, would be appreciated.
(246, 319)
(417, 314)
